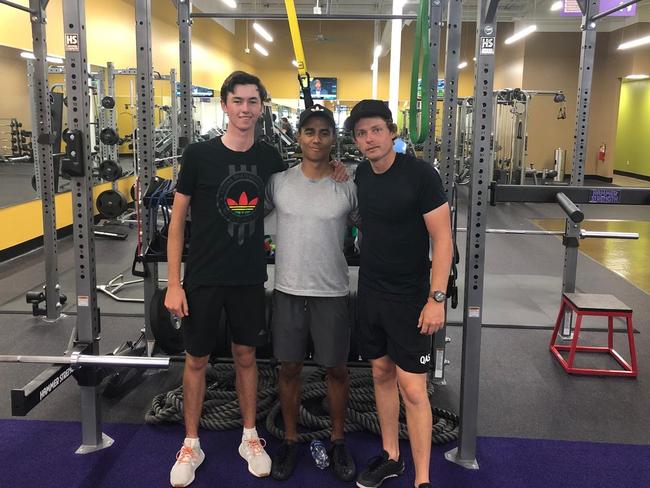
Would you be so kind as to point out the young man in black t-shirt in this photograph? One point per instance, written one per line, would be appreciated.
(404, 215)
(224, 180)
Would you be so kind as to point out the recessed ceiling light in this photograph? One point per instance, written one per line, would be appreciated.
(262, 32)
(260, 49)
(521, 34)
(635, 43)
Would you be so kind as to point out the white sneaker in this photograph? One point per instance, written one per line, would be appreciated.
(188, 459)
(259, 462)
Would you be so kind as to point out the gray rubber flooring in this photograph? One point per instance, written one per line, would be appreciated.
(523, 390)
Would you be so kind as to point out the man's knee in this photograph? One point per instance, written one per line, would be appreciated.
(194, 364)
(244, 356)
(290, 371)
(383, 370)
(414, 391)
(338, 374)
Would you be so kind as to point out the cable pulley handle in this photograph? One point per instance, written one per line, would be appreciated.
(421, 42)
(309, 102)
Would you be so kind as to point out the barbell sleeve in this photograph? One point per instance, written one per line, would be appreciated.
(608, 235)
(570, 208)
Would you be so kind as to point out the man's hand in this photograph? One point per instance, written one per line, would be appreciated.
(176, 302)
(432, 317)
(340, 171)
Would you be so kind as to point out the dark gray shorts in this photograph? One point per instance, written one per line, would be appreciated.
(325, 319)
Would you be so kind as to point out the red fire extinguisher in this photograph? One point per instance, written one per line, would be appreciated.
(602, 152)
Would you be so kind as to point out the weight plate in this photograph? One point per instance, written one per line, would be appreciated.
(108, 136)
(108, 102)
(111, 204)
(109, 170)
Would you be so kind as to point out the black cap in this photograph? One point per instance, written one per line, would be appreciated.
(316, 110)
(367, 108)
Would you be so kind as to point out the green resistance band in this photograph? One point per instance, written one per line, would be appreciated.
(421, 42)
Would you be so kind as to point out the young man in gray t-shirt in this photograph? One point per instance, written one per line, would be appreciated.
(311, 284)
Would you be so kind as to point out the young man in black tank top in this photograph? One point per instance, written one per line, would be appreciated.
(404, 214)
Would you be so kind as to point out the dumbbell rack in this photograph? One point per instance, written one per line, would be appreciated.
(14, 141)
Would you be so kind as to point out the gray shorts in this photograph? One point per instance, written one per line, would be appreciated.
(325, 319)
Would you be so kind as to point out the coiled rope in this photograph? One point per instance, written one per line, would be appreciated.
(221, 408)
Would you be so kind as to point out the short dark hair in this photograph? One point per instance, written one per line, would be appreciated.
(241, 78)
(392, 126)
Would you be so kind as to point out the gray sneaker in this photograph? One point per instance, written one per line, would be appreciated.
(188, 459)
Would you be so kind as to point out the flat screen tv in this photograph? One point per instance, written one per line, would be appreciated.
(323, 89)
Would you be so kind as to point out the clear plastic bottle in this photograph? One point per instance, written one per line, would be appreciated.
(319, 453)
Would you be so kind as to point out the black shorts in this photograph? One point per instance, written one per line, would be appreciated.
(388, 325)
(245, 315)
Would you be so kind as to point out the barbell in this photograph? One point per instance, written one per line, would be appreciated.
(77, 360)
(584, 234)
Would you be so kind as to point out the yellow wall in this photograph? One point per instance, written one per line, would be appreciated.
(551, 61)
(111, 28)
(26, 219)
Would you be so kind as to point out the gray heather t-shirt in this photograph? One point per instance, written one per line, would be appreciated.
(312, 217)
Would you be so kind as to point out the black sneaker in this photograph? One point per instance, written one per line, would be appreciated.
(424, 485)
(342, 463)
(284, 460)
(379, 469)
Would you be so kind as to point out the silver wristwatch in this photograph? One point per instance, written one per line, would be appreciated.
(438, 296)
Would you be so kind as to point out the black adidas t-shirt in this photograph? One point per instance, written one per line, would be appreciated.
(227, 208)
(395, 243)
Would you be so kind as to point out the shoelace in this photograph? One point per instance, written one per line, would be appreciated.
(185, 455)
(256, 445)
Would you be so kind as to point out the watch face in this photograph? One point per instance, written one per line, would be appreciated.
(439, 296)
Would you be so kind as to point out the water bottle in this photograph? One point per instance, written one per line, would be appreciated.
(319, 453)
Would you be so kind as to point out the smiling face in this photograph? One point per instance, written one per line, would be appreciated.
(316, 138)
(374, 138)
(243, 107)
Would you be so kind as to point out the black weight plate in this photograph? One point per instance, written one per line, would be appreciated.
(111, 204)
(168, 338)
(109, 170)
(108, 136)
(108, 102)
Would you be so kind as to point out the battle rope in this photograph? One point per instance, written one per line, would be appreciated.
(221, 409)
